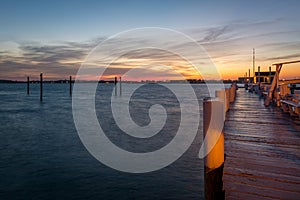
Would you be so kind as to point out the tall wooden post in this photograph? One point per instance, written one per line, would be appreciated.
(214, 160)
(278, 68)
(27, 85)
(70, 85)
(232, 91)
(115, 86)
(258, 73)
(120, 85)
(253, 65)
(221, 95)
(250, 77)
(227, 95)
(41, 87)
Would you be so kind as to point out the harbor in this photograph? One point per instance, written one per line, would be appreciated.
(258, 153)
(275, 91)
(150, 100)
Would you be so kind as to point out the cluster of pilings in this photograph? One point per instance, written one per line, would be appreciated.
(214, 114)
(41, 86)
(70, 83)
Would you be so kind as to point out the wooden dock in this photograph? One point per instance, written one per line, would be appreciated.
(262, 147)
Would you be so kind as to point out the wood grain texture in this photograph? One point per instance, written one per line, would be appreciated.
(262, 147)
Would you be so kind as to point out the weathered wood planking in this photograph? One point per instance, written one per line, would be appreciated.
(262, 147)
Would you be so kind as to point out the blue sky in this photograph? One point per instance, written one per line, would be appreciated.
(256, 24)
(80, 20)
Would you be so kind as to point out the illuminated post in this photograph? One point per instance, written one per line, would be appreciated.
(214, 149)
(41, 87)
(227, 95)
(232, 91)
(221, 95)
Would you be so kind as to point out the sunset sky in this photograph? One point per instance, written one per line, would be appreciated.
(54, 37)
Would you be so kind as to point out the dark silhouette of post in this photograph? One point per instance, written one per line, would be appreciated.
(258, 74)
(120, 86)
(253, 64)
(115, 86)
(41, 87)
(27, 85)
(250, 77)
(70, 85)
(270, 74)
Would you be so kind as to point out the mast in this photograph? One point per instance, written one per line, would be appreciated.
(253, 61)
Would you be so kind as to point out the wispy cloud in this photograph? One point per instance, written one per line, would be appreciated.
(56, 60)
(229, 46)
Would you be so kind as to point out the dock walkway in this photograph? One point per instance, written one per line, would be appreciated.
(262, 147)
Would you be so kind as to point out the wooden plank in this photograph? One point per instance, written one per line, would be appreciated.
(232, 170)
(289, 62)
(258, 181)
(292, 103)
(236, 195)
(262, 148)
(261, 192)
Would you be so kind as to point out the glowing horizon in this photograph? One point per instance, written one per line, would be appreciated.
(228, 31)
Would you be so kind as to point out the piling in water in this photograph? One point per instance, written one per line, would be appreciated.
(70, 85)
(258, 73)
(214, 160)
(115, 86)
(27, 85)
(41, 87)
(120, 86)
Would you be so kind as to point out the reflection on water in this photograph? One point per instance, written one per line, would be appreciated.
(42, 156)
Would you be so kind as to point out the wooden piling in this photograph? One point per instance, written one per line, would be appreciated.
(41, 87)
(227, 93)
(258, 73)
(249, 76)
(231, 94)
(120, 86)
(27, 85)
(221, 95)
(70, 85)
(115, 86)
(214, 160)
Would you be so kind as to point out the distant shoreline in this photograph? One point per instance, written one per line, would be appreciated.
(191, 81)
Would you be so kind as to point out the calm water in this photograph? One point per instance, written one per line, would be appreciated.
(42, 156)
